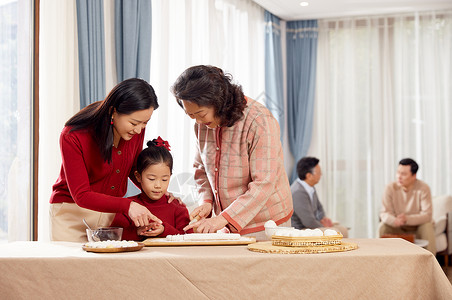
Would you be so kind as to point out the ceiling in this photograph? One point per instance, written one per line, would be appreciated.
(320, 9)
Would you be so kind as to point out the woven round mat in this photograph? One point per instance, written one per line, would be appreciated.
(267, 247)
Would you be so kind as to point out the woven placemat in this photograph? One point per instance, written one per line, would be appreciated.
(267, 247)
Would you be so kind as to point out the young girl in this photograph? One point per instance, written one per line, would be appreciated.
(154, 169)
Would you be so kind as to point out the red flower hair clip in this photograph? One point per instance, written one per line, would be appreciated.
(159, 142)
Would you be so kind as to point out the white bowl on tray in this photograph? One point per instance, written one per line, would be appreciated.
(270, 231)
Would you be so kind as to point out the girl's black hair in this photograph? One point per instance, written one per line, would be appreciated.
(126, 97)
(209, 86)
(153, 155)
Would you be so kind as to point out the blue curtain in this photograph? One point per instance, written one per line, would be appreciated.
(91, 51)
(133, 27)
(133, 32)
(274, 97)
(301, 71)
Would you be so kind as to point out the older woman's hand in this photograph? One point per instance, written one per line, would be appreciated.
(199, 213)
(171, 198)
(209, 225)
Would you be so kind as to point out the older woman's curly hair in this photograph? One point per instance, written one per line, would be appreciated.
(209, 86)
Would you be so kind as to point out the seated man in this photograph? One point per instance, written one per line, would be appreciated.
(407, 206)
(308, 211)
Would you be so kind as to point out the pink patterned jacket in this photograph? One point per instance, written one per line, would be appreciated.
(241, 170)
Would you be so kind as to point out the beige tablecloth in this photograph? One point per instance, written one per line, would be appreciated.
(379, 269)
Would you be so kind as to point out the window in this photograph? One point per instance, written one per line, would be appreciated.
(15, 119)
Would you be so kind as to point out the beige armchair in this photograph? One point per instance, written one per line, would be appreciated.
(442, 216)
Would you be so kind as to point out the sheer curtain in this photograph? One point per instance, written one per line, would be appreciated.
(228, 34)
(383, 93)
(58, 94)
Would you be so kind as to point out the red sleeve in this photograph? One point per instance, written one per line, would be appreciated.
(181, 219)
(78, 181)
(129, 232)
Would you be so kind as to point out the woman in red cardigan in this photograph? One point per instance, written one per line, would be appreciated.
(99, 148)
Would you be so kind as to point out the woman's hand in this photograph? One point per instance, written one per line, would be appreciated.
(171, 198)
(153, 229)
(201, 212)
(210, 225)
(140, 215)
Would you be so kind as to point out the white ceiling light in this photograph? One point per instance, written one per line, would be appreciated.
(304, 3)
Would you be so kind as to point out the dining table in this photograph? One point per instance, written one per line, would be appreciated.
(390, 268)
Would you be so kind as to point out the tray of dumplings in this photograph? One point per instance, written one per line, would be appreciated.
(288, 240)
(307, 237)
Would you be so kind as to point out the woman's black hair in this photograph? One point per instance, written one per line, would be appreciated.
(126, 97)
(209, 86)
(154, 154)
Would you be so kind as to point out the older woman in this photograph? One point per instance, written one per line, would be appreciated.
(239, 162)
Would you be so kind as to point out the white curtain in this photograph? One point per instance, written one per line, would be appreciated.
(228, 34)
(59, 91)
(58, 94)
(383, 94)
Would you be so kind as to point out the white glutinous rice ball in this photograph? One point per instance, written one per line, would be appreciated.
(282, 232)
(308, 232)
(298, 232)
(317, 232)
(293, 233)
(302, 233)
(330, 232)
(270, 223)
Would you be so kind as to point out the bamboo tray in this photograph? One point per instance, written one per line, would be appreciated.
(305, 241)
(267, 247)
(160, 242)
(113, 250)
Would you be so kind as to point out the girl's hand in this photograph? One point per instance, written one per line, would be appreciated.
(140, 215)
(153, 229)
(208, 225)
(171, 198)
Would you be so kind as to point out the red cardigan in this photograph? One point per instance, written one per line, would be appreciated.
(173, 215)
(86, 179)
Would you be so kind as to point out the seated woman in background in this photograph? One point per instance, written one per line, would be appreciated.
(239, 164)
(154, 169)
